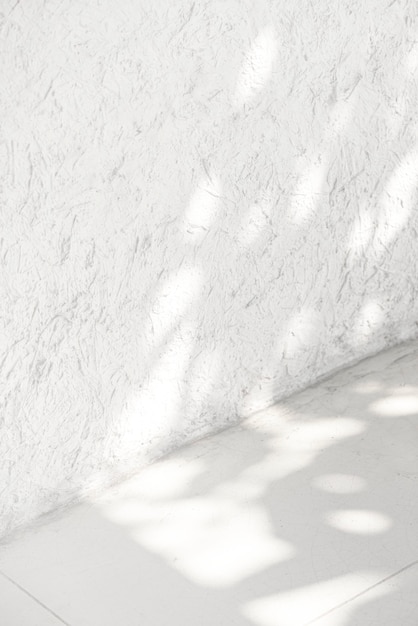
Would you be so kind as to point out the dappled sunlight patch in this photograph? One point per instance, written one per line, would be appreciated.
(312, 185)
(398, 405)
(202, 209)
(253, 224)
(340, 483)
(302, 332)
(128, 511)
(368, 387)
(342, 113)
(362, 232)
(257, 67)
(370, 318)
(359, 522)
(213, 541)
(154, 410)
(275, 466)
(250, 486)
(326, 431)
(292, 446)
(398, 200)
(169, 478)
(411, 61)
(204, 376)
(304, 605)
(307, 192)
(171, 303)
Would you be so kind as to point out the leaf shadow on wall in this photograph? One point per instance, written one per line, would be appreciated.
(200, 252)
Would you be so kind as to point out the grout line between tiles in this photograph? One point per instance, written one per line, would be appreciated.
(362, 593)
(34, 598)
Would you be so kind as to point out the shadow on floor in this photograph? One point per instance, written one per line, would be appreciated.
(285, 520)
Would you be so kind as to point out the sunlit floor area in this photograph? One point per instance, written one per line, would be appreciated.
(306, 513)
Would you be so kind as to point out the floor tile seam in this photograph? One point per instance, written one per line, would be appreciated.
(363, 592)
(34, 598)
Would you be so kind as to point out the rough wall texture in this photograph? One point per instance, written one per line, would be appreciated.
(204, 205)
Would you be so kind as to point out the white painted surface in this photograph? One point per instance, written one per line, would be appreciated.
(204, 205)
(305, 513)
(17, 608)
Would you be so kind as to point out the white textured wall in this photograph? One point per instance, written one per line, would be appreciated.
(204, 205)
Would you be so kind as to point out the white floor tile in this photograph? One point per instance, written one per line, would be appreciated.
(394, 601)
(292, 516)
(19, 609)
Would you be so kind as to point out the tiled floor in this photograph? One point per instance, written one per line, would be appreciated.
(305, 514)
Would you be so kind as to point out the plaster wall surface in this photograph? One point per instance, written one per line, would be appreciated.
(204, 207)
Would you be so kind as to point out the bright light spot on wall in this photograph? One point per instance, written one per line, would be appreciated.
(311, 184)
(308, 190)
(257, 67)
(253, 224)
(362, 232)
(411, 61)
(298, 607)
(171, 303)
(398, 199)
(204, 376)
(301, 334)
(369, 320)
(396, 406)
(203, 208)
(341, 115)
(153, 409)
(340, 483)
(359, 522)
(300, 338)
